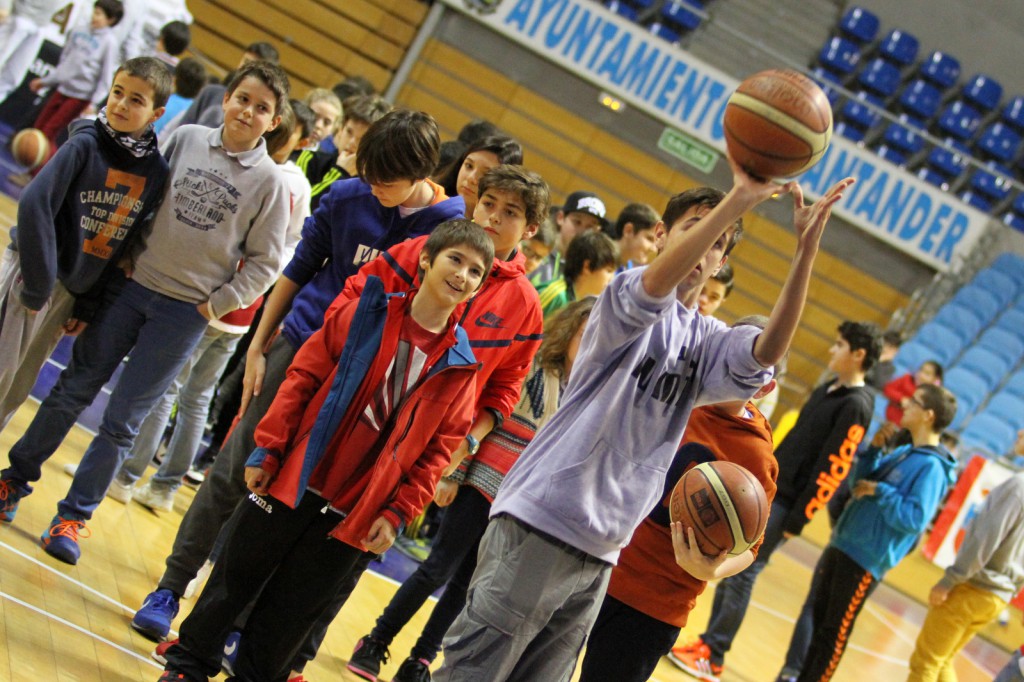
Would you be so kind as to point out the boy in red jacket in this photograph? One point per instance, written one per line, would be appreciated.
(350, 450)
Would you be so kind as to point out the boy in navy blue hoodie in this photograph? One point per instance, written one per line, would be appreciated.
(894, 497)
(391, 201)
(74, 221)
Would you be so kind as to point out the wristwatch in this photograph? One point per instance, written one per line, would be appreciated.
(474, 444)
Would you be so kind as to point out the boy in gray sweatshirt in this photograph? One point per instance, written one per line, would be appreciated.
(586, 481)
(225, 203)
(987, 573)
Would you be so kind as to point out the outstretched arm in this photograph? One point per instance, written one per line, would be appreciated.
(809, 224)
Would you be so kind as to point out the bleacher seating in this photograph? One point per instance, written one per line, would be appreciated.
(989, 432)
(941, 69)
(970, 391)
(1004, 342)
(1008, 407)
(983, 92)
(992, 368)
(860, 25)
(899, 47)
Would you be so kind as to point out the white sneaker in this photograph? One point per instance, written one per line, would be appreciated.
(122, 492)
(196, 583)
(194, 478)
(154, 498)
(71, 469)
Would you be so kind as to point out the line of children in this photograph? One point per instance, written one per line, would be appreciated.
(225, 202)
(585, 482)
(590, 263)
(350, 450)
(581, 212)
(109, 177)
(463, 174)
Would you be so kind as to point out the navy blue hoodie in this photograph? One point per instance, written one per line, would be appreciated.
(76, 215)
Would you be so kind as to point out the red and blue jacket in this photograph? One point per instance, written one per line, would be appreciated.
(331, 380)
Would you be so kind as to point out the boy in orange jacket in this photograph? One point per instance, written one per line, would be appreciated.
(350, 450)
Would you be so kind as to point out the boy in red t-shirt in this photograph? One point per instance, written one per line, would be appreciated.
(649, 598)
(901, 389)
(350, 451)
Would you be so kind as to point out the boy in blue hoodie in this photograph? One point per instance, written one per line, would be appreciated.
(585, 482)
(74, 221)
(894, 497)
(392, 200)
(225, 202)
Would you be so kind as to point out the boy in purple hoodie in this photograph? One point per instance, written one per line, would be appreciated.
(579, 489)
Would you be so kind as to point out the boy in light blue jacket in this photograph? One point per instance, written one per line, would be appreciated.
(598, 467)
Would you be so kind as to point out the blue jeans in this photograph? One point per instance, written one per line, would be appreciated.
(160, 332)
(732, 596)
(1012, 671)
(193, 389)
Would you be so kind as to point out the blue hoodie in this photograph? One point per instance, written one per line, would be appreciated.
(74, 217)
(598, 467)
(878, 530)
(348, 229)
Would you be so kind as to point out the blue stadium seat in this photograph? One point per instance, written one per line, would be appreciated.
(944, 343)
(899, 47)
(623, 9)
(944, 165)
(977, 200)
(680, 12)
(993, 182)
(1001, 285)
(988, 432)
(880, 78)
(1011, 320)
(1014, 220)
(940, 68)
(998, 142)
(969, 389)
(1011, 264)
(1003, 342)
(978, 298)
(860, 25)
(983, 92)
(1013, 113)
(910, 356)
(920, 99)
(859, 112)
(986, 364)
(839, 55)
(1015, 384)
(959, 120)
(1008, 407)
(964, 321)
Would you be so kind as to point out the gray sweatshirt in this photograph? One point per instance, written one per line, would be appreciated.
(597, 468)
(991, 557)
(87, 65)
(220, 208)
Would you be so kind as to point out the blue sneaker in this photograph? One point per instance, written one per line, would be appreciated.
(227, 658)
(11, 493)
(61, 539)
(153, 620)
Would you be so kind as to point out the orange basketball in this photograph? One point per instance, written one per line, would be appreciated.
(30, 148)
(777, 124)
(724, 504)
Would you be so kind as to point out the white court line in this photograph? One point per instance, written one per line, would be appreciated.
(173, 634)
(877, 613)
(71, 625)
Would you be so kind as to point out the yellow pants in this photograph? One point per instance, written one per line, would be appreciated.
(948, 628)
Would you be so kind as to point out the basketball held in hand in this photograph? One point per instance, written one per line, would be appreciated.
(724, 504)
(30, 148)
(777, 124)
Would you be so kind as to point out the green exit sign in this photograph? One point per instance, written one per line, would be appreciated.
(688, 150)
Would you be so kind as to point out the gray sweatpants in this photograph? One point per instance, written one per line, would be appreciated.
(26, 340)
(225, 481)
(529, 609)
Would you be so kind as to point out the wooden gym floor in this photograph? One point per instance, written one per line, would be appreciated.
(71, 623)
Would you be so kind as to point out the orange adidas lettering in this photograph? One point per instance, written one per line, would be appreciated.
(839, 468)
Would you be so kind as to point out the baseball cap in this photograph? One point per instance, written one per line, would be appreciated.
(585, 202)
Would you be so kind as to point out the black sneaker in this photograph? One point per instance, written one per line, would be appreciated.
(413, 670)
(370, 653)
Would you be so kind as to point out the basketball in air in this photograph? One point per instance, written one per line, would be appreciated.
(777, 124)
(30, 148)
(724, 504)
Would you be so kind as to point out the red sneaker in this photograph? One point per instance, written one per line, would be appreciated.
(695, 659)
(160, 652)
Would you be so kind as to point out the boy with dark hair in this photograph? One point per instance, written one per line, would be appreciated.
(634, 232)
(582, 212)
(262, 51)
(649, 599)
(895, 497)
(349, 452)
(814, 457)
(352, 86)
(354, 223)
(978, 586)
(537, 248)
(175, 37)
(225, 203)
(716, 290)
(86, 68)
(585, 482)
(61, 249)
(590, 263)
(189, 79)
(883, 371)
(324, 168)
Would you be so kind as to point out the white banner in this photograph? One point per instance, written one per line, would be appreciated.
(674, 87)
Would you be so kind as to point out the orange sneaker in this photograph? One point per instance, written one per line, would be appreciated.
(695, 659)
